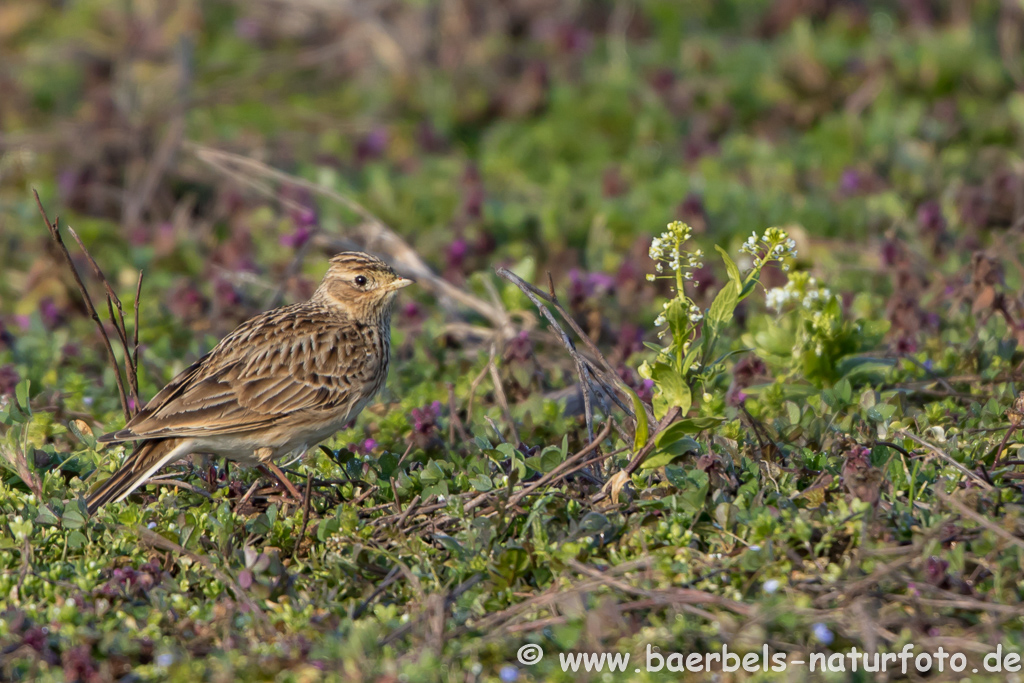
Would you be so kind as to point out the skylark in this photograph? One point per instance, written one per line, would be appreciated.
(278, 385)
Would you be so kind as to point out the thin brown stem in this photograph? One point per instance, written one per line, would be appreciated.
(55, 233)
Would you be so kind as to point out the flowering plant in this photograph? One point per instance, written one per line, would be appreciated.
(814, 339)
(687, 361)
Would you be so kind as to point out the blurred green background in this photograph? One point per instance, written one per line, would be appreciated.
(226, 148)
(553, 135)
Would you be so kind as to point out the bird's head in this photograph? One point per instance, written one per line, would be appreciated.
(361, 285)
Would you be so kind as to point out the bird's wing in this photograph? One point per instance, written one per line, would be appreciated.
(276, 365)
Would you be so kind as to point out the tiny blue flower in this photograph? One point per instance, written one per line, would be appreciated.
(823, 634)
(508, 674)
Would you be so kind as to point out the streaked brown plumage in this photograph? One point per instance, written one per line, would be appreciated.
(279, 384)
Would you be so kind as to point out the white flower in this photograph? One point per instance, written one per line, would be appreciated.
(777, 298)
(771, 585)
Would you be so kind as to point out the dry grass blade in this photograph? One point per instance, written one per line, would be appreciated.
(117, 319)
(948, 459)
(375, 235)
(565, 465)
(581, 368)
(499, 393)
(978, 519)
(55, 233)
(673, 596)
(593, 379)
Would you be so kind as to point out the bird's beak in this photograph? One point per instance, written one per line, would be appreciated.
(401, 282)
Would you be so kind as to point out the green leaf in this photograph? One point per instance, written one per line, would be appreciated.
(73, 518)
(327, 528)
(438, 489)
(45, 516)
(482, 483)
(693, 500)
(881, 412)
(672, 391)
(844, 390)
(669, 445)
(21, 394)
(658, 459)
(724, 305)
(642, 428)
(431, 474)
(691, 425)
(76, 539)
(691, 355)
(692, 484)
(547, 460)
(387, 463)
(450, 543)
(730, 267)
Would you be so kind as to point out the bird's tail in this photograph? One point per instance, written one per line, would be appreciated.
(144, 461)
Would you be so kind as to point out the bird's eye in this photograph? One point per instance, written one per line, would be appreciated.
(361, 280)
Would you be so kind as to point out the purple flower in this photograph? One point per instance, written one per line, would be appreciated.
(364, 448)
(67, 182)
(583, 286)
(646, 391)
(411, 310)
(631, 339)
(226, 294)
(306, 222)
(573, 39)
(935, 569)
(78, 664)
(23, 321)
(930, 219)
(850, 182)
(456, 254)
(373, 145)
(35, 638)
(425, 419)
(520, 347)
(662, 80)
(49, 312)
(600, 282)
